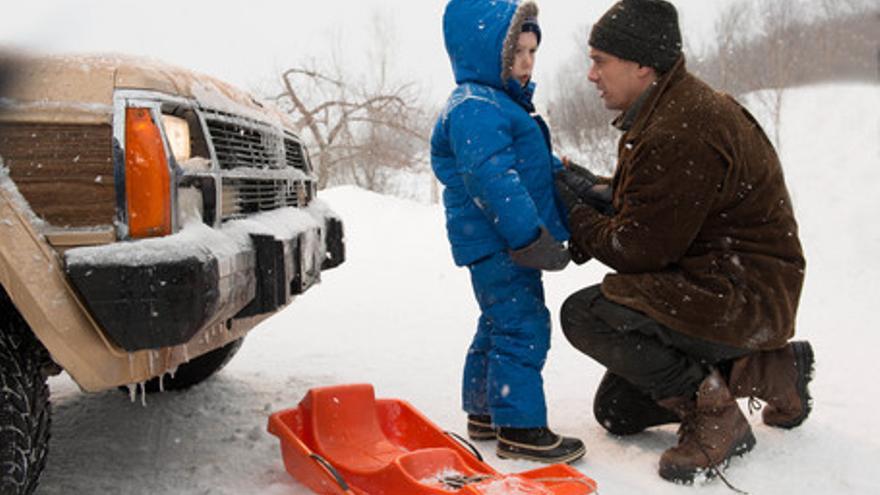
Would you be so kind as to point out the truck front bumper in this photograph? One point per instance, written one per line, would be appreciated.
(154, 293)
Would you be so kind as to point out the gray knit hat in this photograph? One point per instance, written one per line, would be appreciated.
(643, 31)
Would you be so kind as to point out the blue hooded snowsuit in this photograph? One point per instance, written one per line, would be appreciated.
(495, 162)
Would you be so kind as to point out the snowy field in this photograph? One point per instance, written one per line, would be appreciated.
(399, 315)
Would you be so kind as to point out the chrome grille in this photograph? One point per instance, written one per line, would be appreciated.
(237, 145)
(293, 154)
(243, 142)
(242, 197)
(257, 161)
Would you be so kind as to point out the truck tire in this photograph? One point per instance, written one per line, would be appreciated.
(25, 413)
(196, 370)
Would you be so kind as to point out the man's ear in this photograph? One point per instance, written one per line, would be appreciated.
(645, 72)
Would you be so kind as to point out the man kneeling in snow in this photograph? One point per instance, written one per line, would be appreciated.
(702, 235)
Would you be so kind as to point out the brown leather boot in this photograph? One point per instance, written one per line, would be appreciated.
(713, 430)
(781, 379)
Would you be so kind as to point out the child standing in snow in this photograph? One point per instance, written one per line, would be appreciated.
(503, 221)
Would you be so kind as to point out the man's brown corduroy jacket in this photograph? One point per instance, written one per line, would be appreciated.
(704, 240)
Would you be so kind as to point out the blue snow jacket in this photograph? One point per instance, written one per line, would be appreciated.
(492, 157)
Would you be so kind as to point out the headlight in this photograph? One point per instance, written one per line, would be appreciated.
(177, 131)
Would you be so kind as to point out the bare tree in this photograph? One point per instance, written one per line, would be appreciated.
(767, 48)
(359, 126)
(730, 40)
(782, 36)
(580, 123)
(847, 36)
(391, 138)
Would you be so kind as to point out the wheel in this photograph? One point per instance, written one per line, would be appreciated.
(25, 413)
(196, 370)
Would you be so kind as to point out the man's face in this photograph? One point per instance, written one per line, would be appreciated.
(619, 81)
(524, 58)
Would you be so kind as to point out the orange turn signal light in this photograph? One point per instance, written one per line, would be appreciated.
(147, 176)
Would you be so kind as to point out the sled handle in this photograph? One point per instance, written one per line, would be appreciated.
(464, 442)
(332, 470)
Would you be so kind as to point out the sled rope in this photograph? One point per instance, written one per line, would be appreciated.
(464, 442)
(458, 481)
(332, 470)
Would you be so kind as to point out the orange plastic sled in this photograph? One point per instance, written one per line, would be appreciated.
(340, 441)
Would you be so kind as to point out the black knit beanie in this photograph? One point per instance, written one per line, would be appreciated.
(530, 25)
(643, 31)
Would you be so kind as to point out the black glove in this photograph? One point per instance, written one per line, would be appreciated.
(544, 253)
(581, 184)
(581, 171)
(577, 256)
(569, 196)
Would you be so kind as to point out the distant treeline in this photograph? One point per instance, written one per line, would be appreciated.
(802, 52)
(758, 45)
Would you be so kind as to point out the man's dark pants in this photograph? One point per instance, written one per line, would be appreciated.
(646, 360)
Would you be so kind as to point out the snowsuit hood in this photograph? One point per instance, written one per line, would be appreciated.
(481, 38)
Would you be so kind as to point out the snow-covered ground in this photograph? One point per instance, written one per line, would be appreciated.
(398, 315)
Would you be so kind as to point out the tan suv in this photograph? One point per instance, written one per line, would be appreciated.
(149, 218)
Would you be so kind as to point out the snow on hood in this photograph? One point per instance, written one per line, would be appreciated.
(85, 84)
(197, 240)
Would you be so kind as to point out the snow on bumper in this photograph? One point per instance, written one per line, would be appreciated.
(154, 293)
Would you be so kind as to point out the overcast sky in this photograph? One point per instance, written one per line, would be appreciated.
(249, 43)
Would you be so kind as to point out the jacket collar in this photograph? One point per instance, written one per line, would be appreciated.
(522, 95)
(650, 99)
(625, 120)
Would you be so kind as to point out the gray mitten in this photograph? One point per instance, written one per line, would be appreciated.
(544, 253)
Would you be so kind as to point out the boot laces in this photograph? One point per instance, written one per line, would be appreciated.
(754, 405)
(690, 427)
(713, 468)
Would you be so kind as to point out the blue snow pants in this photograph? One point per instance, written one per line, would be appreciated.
(502, 373)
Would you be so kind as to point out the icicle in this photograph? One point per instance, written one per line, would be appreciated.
(130, 365)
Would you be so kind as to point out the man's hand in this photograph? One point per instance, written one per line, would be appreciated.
(544, 253)
(579, 185)
(577, 255)
(568, 195)
(579, 170)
